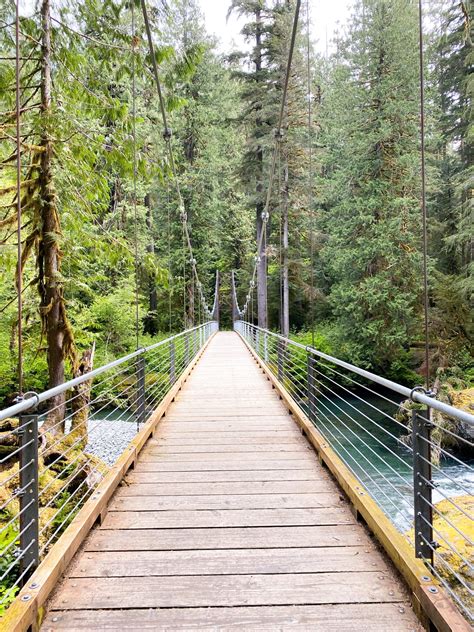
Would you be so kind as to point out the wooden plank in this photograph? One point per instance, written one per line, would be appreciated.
(222, 502)
(379, 617)
(215, 466)
(220, 517)
(223, 426)
(300, 455)
(226, 590)
(139, 476)
(227, 562)
(180, 538)
(171, 438)
(175, 490)
(220, 448)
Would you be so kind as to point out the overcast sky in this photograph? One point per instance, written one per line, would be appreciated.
(325, 16)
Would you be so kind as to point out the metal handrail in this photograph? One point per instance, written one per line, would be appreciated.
(381, 456)
(415, 395)
(38, 398)
(84, 436)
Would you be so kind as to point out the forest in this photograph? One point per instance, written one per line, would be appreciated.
(123, 207)
(102, 254)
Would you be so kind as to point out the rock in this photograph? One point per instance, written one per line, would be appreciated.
(464, 400)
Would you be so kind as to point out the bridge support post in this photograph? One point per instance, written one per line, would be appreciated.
(141, 411)
(422, 485)
(311, 387)
(172, 362)
(28, 495)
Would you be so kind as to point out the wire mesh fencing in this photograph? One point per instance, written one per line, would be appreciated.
(56, 446)
(411, 452)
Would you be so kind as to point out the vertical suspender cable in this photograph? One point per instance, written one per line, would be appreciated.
(167, 134)
(134, 135)
(169, 254)
(184, 280)
(280, 263)
(423, 193)
(310, 169)
(266, 213)
(19, 273)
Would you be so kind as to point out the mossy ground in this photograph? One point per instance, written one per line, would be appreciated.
(454, 558)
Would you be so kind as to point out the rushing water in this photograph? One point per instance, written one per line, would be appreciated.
(367, 438)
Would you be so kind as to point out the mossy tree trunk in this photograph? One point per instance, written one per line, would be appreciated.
(56, 327)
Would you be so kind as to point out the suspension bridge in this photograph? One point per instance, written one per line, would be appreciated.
(239, 503)
(218, 480)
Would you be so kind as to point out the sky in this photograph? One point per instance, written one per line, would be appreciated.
(325, 16)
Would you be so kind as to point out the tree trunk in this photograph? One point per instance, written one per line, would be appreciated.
(285, 307)
(81, 397)
(190, 290)
(262, 258)
(235, 309)
(151, 324)
(56, 327)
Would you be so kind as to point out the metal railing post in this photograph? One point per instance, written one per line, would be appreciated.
(257, 341)
(422, 485)
(280, 359)
(141, 411)
(186, 349)
(172, 362)
(265, 347)
(28, 495)
(195, 342)
(311, 387)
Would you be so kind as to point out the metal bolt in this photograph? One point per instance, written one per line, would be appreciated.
(34, 585)
(26, 597)
(433, 590)
(425, 578)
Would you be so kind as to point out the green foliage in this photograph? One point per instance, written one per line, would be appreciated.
(8, 555)
(365, 288)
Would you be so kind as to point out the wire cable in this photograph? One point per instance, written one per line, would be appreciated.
(167, 134)
(423, 195)
(19, 279)
(134, 135)
(265, 212)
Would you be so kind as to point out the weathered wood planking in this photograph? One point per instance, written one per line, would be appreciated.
(227, 590)
(190, 489)
(216, 562)
(212, 538)
(228, 508)
(320, 618)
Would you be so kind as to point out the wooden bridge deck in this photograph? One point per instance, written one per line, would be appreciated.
(229, 521)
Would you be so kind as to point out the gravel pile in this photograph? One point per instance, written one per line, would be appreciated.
(108, 438)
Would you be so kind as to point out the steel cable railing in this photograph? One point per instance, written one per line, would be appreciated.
(54, 452)
(383, 432)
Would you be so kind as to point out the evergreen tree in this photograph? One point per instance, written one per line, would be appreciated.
(373, 220)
